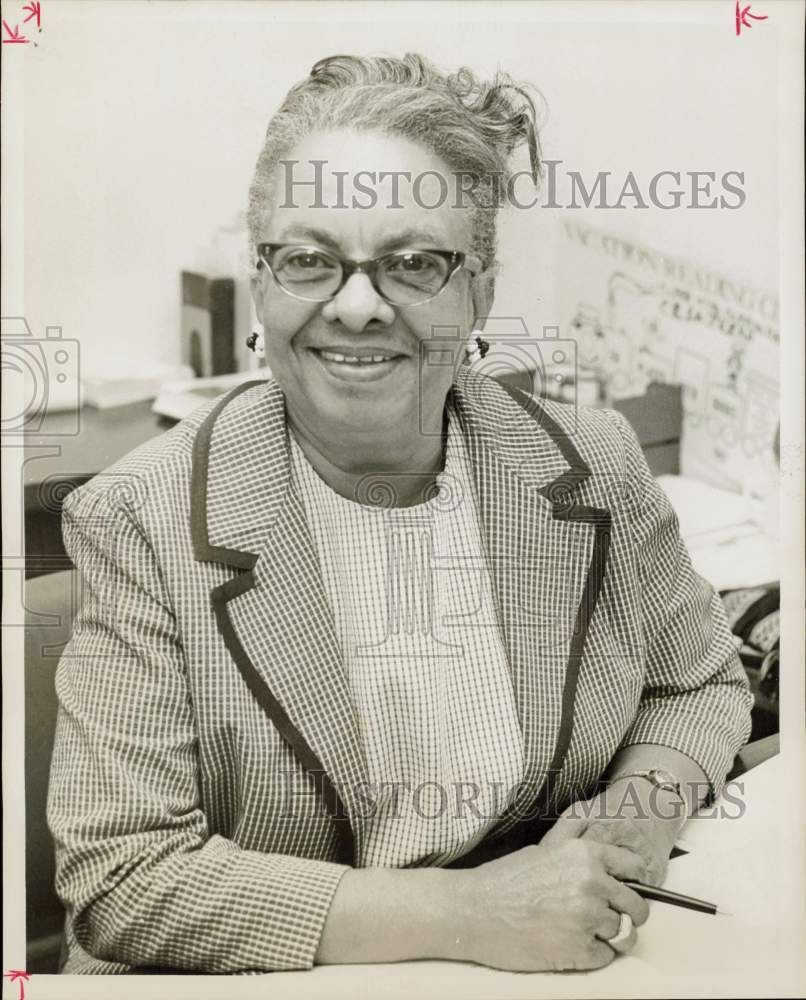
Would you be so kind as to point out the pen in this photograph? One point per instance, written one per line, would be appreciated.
(675, 898)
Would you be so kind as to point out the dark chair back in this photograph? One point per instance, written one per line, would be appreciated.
(50, 604)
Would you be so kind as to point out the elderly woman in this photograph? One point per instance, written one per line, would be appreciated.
(355, 635)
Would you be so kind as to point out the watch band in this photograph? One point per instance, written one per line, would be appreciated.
(660, 778)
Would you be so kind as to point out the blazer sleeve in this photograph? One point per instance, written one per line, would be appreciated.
(137, 868)
(696, 697)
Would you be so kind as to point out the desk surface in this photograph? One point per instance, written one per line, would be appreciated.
(751, 865)
(741, 856)
(82, 444)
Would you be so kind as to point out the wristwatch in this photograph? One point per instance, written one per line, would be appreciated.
(660, 779)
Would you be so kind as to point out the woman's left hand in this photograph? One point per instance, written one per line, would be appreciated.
(629, 813)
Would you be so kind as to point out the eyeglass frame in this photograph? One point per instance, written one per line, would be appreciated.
(457, 259)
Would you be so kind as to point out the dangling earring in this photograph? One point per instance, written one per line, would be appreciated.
(476, 348)
(255, 342)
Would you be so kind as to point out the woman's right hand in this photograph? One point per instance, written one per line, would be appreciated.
(551, 906)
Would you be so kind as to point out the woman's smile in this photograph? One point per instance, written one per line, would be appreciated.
(357, 365)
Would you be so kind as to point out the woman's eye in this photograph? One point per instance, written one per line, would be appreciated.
(411, 263)
(308, 262)
(416, 262)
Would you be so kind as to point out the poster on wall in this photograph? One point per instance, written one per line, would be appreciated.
(640, 316)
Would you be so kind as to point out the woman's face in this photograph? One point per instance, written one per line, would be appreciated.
(395, 397)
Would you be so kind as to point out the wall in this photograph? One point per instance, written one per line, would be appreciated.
(142, 123)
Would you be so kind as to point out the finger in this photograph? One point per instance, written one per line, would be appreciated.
(656, 870)
(626, 900)
(621, 833)
(621, 862)
(608, 922)
(634, 839)
(637, 839)
(596, 955)
(622, 944)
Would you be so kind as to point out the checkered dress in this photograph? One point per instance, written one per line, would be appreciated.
(426, 664)
(208, 725)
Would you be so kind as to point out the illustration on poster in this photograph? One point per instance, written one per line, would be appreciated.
(652, 318)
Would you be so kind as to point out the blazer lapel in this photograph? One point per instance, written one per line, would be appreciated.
(275, 616)
(546, 554)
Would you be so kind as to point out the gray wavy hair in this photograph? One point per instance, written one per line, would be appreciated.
(472, 124)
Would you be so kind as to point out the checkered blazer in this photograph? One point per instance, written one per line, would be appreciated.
(205, 784)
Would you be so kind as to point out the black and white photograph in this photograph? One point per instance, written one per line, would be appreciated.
(402, 456)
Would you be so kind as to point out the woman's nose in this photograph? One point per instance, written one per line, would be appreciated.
(357, 305)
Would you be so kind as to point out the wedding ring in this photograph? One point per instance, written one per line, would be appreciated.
(624, 930)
